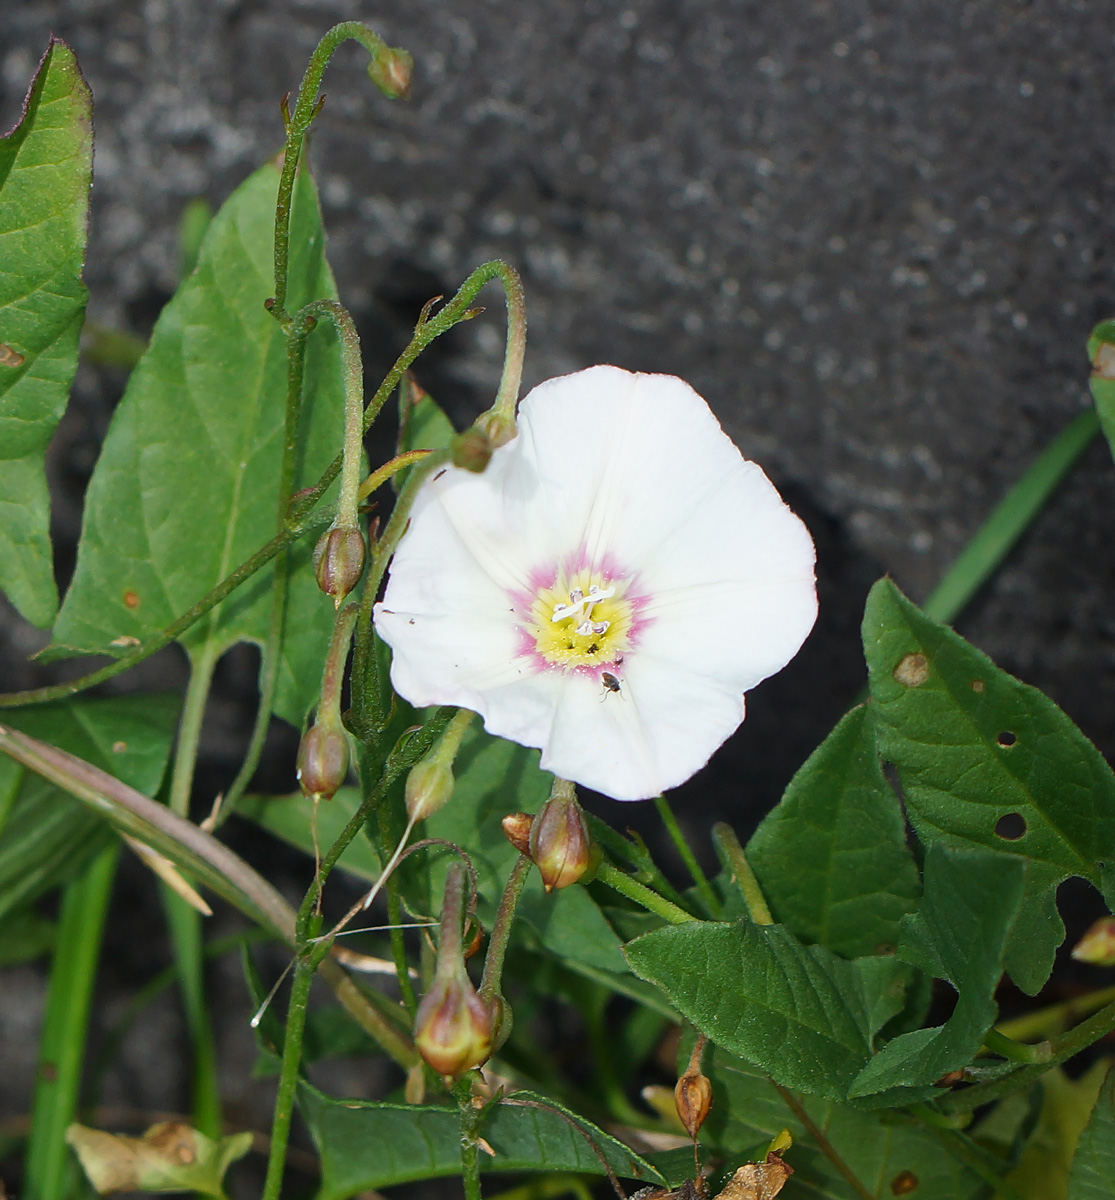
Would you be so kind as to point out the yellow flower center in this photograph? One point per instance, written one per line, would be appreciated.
(581, 620)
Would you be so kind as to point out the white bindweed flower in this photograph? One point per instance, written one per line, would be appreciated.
(607, 589)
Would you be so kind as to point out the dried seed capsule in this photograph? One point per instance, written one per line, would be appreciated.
(516, 828)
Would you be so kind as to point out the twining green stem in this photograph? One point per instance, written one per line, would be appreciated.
(683, 848)
(999, 1043)
(352, 370)
(62, 1043)
(155, 643)
(389, 469)
(1060, 1050)
(298, 518)
(333, 672)
(189, 728)
(507, 397)
(305, 109)
(1010, 518)
(470, 1157)
(733, 857)
(614, 878)
(288, 1076)
(491, 980)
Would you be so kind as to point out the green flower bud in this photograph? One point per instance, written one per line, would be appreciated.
(559, 842)
(453, 1026)
(1098, 944)
(322, 761)
(429, 787)
(339, 562)
(391, 70)
(471, 450)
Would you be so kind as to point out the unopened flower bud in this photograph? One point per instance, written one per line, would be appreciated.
(453, 1026)
(1098, 944)
(391, 70)
(516, 828)
(498, 429)
(502, 1021)
(471, 450)
(339, 561)
(322, 761)
(693, 1099)
(559, 841)
(429, 787)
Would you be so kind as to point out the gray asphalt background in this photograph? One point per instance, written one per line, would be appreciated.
(874, 236)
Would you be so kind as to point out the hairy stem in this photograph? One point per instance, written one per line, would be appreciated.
(641, 894)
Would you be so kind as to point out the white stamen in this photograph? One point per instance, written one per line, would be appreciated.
(584, 629)
(580, 604)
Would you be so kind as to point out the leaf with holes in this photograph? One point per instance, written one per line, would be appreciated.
(976, 749)
(1093, 1165)
(364, 1145)
(959, 933)
(798, 1012)
(186, 486)
(45, 165)
(887, 1158)
(47, 837)
(832, 857)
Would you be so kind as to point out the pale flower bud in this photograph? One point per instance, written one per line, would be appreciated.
(429, 787)
(391, 70)
(453, 1027)
(339, 561)
(559, 841)
(1098, 944)
(322, 761)
(693, 1099)
(516, 828)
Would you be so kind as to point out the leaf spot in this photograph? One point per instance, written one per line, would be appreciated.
(912, 670)
(131, 599)
(1006, 739)
(119, 747)
(10, 357)
(977, 686)
(904, 1183)
(1011, 826)
(125, 640)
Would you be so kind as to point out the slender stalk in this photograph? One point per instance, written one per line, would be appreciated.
(189, 729)
(470, 1158)
(507, 397)
(380, 476)
(712, 905)
(999, 1043)
(735, 860)
(1053, 1018)
(306, 109)
(73, 972)
(824, 1145)
(288, 1077)
(398, 947)
(501, 929)
(642, 895)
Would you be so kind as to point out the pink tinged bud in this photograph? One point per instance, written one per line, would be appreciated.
(428, 789)
(471, 450)
(1098, 944)
(322, 761)
(516, 828)
(339, 561)
(453, 1026)
(559, 841)
(391, 71)
(693, 1099)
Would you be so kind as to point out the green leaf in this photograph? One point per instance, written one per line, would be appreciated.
(423, 425)
(366, 1145)
(973, 745)
(832, 857)
(879, 1148)
(186, 486)
(798, 1012)
(1093, 1165)
(45, 165)
(959, 934)
(496, 777)
(49, 836)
